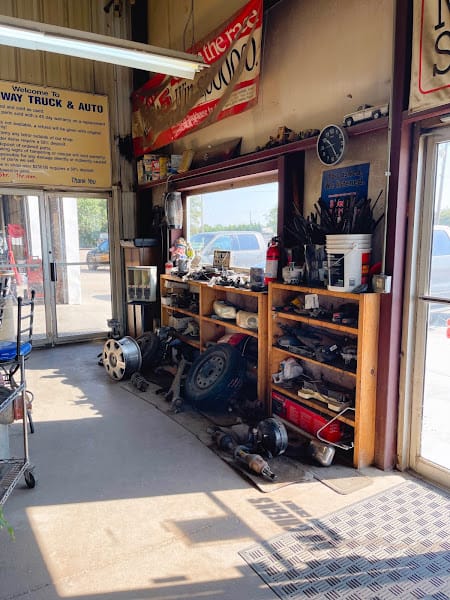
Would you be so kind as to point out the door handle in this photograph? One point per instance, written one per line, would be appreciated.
(53, 273)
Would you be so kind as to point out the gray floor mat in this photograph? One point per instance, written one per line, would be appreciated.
(341, 479)
(393, 545)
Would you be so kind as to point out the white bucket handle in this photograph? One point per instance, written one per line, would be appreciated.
(352, 249)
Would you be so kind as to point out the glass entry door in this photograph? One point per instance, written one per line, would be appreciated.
(58, 246)
(79, 267)
(430, 427)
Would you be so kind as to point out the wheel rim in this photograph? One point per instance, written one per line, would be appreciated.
(121, 358)
(210, 371)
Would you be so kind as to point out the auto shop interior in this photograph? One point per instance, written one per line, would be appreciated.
(225, 299)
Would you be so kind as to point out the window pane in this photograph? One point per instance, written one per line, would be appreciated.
(439, 284)
(242, 220)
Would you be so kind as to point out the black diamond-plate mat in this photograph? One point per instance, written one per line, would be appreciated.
(393, 545)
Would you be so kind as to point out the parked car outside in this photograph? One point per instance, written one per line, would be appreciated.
(248, 248)
(365, 112)
(98, 256)
(440, 262)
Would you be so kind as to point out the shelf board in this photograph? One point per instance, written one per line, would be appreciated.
(267, 154)
(230, 325)
(234, 290)
(183, 311)
(316, 362)
(316, 322)
(194, 342)
(313, 403)
(175, 279)
(315, 290)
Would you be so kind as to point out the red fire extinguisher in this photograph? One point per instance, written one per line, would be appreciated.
(272, 258)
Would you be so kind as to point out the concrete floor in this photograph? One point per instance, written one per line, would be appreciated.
(129, 505)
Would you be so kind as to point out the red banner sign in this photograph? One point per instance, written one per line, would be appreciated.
(168, 108)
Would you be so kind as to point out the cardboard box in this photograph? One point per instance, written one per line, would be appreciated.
(163, 167)
(175, 162)
(148, 162)
(305, 418)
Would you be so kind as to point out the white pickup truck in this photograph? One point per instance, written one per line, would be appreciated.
(365, 112)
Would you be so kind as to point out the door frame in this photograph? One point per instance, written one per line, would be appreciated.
(51, 338)
(415, 322)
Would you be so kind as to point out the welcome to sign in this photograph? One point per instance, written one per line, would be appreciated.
(430, 69)
(167, 108)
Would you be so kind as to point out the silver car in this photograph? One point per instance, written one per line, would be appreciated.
(248, 248)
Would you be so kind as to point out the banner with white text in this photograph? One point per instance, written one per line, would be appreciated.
(430, 68)
(53, 137)
(168, 108)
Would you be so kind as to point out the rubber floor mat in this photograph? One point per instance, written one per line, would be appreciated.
(342, 479)
(393, 545)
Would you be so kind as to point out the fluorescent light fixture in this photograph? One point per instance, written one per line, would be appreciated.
(32, 35)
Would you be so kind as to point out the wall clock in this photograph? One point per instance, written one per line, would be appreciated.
(331, 145)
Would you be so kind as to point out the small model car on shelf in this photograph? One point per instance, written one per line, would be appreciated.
(366, 112)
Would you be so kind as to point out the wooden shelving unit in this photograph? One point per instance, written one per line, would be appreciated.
(361, 377)
(212, 329)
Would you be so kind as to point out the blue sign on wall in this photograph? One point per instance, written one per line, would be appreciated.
(345, 182)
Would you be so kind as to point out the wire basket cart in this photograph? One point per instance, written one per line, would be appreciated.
(13, 396)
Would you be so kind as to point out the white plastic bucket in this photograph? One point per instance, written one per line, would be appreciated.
(348, 261)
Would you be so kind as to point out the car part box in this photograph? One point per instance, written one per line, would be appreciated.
(306, 419)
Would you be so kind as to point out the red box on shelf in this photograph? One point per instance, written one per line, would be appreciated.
(303, 417)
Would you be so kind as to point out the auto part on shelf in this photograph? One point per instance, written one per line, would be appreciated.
(327, 354)
(321, 453)
(255, 462)
(215, 378)
(247, 320)
(224, 310)
(121, 358)
(272, 437)
(290, 369)
(192, 329)
(336, 398)
(349, 354)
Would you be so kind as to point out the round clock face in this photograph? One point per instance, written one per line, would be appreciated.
(331, 145)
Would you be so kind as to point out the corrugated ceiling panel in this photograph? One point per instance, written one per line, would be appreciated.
(82, 71)
(103, 73)
(57, 71)
(30, 63)
(8, 62)
(51, 69)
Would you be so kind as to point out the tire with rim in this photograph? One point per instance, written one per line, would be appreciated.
(215, 377)
(349, 121)
(92, 265)
(377, 114)
(151, 350)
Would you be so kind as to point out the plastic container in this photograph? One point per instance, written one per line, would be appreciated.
(348, 259)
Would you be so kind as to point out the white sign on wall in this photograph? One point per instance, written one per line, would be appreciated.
(430, 68)
(54, 137)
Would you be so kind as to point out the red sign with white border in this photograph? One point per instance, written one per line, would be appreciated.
(168, 108)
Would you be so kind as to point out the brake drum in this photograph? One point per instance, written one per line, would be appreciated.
(121, 358)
